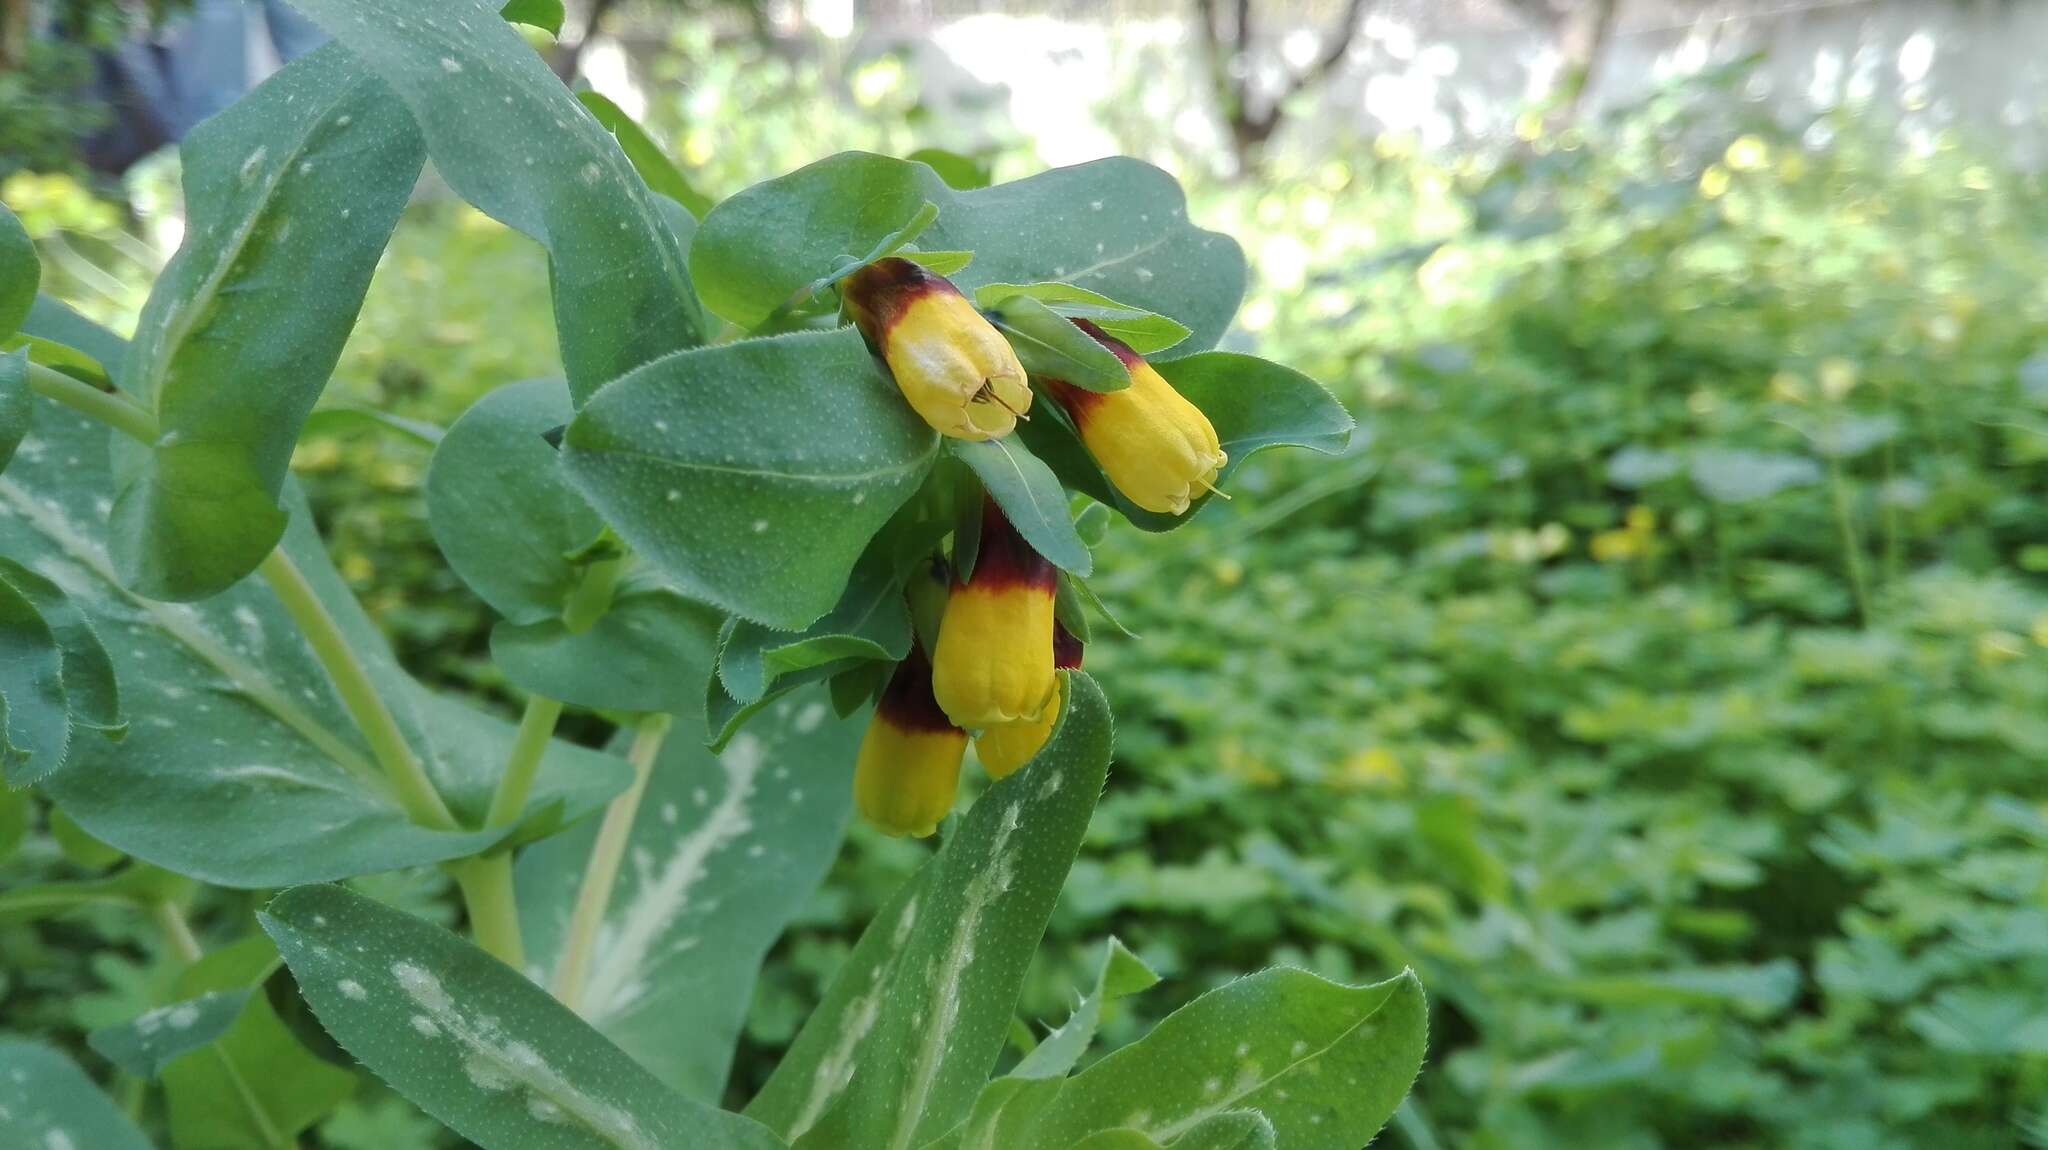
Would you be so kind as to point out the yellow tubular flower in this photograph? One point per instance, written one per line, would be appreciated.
(1155, 446)
(950, 363)
(1003, 749)
(908, 770)
(993, 661)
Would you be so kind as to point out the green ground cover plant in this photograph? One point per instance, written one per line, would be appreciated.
(808, 509)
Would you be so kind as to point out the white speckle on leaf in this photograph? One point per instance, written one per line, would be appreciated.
(665, 892)
(451, 65)
(58, 1140)
(591, 173)
(760, 525)
(426, 1027)
(252, 163)
(352, 990)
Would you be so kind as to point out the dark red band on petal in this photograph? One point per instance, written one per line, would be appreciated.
(907, 703)
(1004, 560)
(1078, 401)
(1066, 649)
(1123, 350)
(878, 294)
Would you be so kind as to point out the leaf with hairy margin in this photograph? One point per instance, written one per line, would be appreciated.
(752, 474)
(951, 960)
(725, 849)
(509, 137)
(241, 766)
(473, 1042)
(47, 1103)
(298, 183)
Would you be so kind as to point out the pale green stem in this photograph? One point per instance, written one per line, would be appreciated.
(352, 682)
(171, 919)
(536, 727)
(487, 893)
(593, 596)
(603, 869)
(109, 407)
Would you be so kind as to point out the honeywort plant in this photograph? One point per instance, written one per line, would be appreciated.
(812, 510)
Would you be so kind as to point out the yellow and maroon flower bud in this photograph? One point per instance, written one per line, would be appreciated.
(1003, 749)
(950, 362)
(993, 662)
(909, 766)
(1155, 446)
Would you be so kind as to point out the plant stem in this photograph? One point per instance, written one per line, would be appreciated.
(177, 931)
(408, 777)
(536, 727)
(487, 893)
(111, 408)
(603, 869)
(486, 881)
(593, 596)
(1852, 547)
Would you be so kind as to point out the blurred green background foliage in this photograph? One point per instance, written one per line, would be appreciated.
(1661, 674)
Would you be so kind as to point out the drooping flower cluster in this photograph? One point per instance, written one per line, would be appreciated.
(992, 666)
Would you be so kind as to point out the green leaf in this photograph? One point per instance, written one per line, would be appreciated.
(241, 766)
(21, 272)
(352, 419)
(725, 715)
(1324, 1062)
(1145, 332)
(648, 158)
(14, 403)
(752, 474)
(871, 621)
(1007, 1107)
(35, 720)
(136, 887)
(1253, 404)
(53, 325)
(1121, 974)
(959, 171)
(502, 511)
(1088, 598)
(92, 696)
(898, 1060)
(938, 263)
(733, 845)
(509, 138)
(1235, 1130)
(648, 652)
(1048, 344)
(47, 1103)
(1116, 226)
(1030, 496)
(474, 1043)
(545, 15)
(298, 183)
(143, 1046)
(255, 1087)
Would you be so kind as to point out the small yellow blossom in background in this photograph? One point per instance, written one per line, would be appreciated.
(2040, 631)
(1996, 647)
(473, 222)
(1251, 769)
(1748, 154)
(316, 455)
(358, 569)
(1791, 167)
(1229, 572)
(1634, 539)
(1374, 768)
(1714, 182)
(1837, 378)
(1788, 387)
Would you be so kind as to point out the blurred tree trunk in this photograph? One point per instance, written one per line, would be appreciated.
(1229, 47)
(13, 33)
(1581, 30)
(567, 57)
